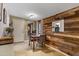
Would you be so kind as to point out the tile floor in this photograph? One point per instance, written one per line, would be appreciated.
(22, 49)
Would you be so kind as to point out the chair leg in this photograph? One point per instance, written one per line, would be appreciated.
(29, 42)
(33, 45)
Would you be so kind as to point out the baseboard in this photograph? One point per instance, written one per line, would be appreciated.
(19, 42)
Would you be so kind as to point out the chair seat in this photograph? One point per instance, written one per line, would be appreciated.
(33, 39)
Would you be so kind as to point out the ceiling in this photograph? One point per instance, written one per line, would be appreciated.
(43, 10)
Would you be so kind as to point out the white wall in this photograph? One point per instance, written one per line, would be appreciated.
(2, 25)
(1, 28)
(37, 28)
(40, 28)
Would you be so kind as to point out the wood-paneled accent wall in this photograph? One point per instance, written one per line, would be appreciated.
(72, 24)
(67, 41)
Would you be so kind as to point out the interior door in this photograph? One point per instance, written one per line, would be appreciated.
(19, 31)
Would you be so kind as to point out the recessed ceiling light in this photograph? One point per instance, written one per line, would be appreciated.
(32, 16)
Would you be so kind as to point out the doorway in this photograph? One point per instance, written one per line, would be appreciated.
(19, 29)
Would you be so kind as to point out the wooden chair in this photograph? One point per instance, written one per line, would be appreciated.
(33, 39)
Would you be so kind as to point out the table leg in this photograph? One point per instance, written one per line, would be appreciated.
(33, 45)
